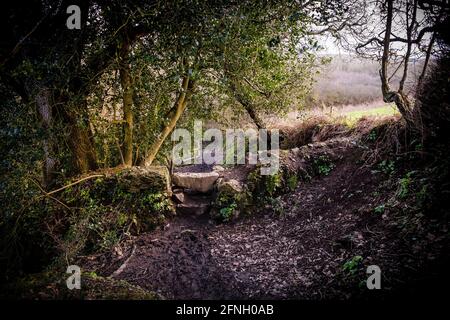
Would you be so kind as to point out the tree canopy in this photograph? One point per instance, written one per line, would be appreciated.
(148, 59)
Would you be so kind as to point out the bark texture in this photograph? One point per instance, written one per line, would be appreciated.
(173, 117)
(127, 88)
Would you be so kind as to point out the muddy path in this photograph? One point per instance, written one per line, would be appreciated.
(263, 256)
(178, 263)
(296, 251)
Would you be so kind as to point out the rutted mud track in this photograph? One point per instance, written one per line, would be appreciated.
(177, 263)
(296, 254)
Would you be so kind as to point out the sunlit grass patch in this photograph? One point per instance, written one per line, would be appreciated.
(352, 117)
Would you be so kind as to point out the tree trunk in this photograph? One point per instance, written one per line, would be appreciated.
(401, 101)
(83, 153)
(127, 88)
(174, 116)
(80, 142)
(44, 109)
(248, 106)
(427, 58)
(251, 112)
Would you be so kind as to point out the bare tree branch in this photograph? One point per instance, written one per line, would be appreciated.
(427, 57)
(409, 31)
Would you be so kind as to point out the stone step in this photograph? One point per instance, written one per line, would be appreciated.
(192, 203)
(197, 181)
(196, 209)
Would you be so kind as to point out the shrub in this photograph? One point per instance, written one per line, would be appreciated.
(380, 209)
(352, 265)
(432, 107)
(292, 182)
(226, 213)
(405, 185)
(323, 165)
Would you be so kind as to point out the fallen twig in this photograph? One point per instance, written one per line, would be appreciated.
(72, 184)
(46, 194)
(123, 266)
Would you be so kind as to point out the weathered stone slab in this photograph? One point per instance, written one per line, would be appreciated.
(196, 209)
(178, 196)
(197, 181)
(231, 186)
(136, 179)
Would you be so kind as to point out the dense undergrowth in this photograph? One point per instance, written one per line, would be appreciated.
(40, 231)
(91, 214)
(97, 214)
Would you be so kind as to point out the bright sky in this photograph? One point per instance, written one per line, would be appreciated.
(330, 48)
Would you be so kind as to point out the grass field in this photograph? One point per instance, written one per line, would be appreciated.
(348, 114)
(381, 111)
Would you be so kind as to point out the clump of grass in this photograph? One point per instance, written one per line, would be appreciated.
(314, 129)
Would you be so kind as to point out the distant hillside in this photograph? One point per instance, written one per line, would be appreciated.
(350, 80)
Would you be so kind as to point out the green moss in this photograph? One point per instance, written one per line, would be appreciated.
(52, 285)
